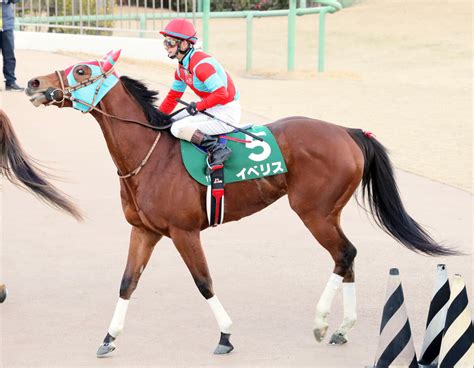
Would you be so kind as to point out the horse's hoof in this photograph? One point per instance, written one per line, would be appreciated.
(3, 293)
(224, 346)
(105, 348)
(319, 333)
(223, 349)
(337, 339)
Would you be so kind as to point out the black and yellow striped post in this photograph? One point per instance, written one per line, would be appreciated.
(436, 319)
(457, 345)
(396, 348)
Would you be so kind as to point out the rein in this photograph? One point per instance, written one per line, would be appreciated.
(144, 161)
(67, 95)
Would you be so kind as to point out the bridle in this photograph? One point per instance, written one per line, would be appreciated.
(66, 92)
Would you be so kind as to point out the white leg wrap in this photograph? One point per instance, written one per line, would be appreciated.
(324, 305)
(118, 320)
(350, 314)
(349, 295)
(223, 319)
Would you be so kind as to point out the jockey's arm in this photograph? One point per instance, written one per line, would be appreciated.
(176, 91)
(207, 74)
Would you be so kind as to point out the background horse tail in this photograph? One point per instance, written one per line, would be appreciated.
(381, 191)
(21, 170)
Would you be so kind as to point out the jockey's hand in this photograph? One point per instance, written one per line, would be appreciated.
(191, 109)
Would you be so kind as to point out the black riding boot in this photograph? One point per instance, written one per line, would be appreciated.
(219, 152)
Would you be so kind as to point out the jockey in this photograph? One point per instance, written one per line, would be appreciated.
(208, 79)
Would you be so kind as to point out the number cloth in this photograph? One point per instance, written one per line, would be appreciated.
(252, 160)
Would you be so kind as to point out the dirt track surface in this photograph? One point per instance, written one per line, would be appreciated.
(268, 271)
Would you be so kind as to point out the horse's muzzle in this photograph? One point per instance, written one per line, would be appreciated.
(37, 97)
(36, 92)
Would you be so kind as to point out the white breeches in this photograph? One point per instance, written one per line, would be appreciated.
(185, 125)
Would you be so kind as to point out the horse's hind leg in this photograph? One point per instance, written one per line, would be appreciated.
(142, 243)
(189, 246)
(321, 215)
(329, 234)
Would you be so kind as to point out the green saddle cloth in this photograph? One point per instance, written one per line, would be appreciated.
(252, 160)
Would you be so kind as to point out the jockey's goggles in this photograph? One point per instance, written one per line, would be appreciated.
(170, 42)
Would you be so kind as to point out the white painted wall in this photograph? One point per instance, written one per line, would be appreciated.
(136, 48)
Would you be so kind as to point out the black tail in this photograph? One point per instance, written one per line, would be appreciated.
(381, 191)
(22, 171)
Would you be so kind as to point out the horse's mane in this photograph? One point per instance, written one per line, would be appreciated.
(146, 98)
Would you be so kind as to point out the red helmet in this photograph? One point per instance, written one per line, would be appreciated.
(182, 29)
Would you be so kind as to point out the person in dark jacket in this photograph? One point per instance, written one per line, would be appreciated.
(7, 20)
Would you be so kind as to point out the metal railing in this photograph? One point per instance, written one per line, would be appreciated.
(122, 17)
(136, 17)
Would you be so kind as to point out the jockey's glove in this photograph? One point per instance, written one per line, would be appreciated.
(192, 109)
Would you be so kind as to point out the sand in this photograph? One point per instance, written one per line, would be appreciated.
(401, 69)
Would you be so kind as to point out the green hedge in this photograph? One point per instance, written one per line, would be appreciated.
(237, 5)
(223, 5)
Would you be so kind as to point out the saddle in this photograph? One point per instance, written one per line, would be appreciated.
(250, 159)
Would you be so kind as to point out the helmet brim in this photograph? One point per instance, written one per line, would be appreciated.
(179, 36)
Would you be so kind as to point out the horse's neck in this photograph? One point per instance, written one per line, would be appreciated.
(128, 143)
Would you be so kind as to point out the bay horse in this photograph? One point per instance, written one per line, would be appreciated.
(21, 170)
(326, 163)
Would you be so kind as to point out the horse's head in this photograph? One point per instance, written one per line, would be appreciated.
(81, 86)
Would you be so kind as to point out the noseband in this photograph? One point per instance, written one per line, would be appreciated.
(50, 93)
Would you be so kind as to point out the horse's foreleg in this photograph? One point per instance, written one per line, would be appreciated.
(142, 243)
(189, 246)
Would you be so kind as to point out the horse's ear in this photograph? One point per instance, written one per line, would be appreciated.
(110, 59)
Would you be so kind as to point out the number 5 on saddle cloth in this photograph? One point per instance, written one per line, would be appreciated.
(250, 160)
